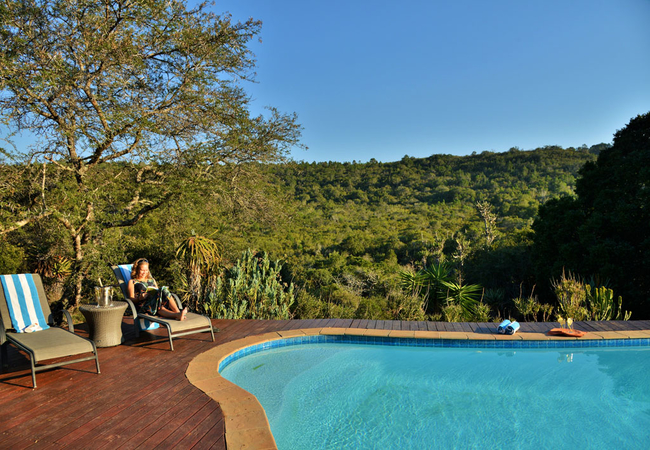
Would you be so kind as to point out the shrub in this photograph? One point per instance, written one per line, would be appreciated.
(251, 289)
(571, 296)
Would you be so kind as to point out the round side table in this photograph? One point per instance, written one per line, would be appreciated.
(105, 323)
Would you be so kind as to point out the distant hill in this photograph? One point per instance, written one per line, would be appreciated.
(355, 226)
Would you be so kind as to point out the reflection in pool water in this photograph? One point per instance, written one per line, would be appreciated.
(332, 396)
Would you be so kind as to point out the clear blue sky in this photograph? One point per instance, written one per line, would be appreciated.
(383, 79)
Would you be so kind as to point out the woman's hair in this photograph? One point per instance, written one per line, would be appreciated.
(136, 264)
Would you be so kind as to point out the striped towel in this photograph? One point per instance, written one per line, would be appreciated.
(23, 303)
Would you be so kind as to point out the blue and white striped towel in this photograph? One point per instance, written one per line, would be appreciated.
(23, 303)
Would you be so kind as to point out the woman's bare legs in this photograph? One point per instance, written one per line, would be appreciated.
(170, 311)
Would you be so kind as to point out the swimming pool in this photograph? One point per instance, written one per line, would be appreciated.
(334, 394)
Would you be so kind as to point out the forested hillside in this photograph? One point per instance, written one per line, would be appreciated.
(354, 228)
(349, 234)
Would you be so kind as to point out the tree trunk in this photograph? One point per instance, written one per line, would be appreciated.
(79, 275)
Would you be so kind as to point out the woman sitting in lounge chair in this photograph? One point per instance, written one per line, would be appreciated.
(150, 299)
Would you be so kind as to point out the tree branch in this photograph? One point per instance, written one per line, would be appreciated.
(22, 223)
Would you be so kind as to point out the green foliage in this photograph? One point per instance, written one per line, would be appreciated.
(199, 257)
(605, 229)
(11, 257)
(528, 307)
(346, 253)
(373, 308)
(252, 289)
(453, 313)
(428, 284)
(482, 312)
(307, 306)
(405, 307)
(571, 296)
(134, 104)
(467, 296)
(603, 306)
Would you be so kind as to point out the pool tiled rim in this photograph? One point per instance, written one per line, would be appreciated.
(246, 422)
(439, 343)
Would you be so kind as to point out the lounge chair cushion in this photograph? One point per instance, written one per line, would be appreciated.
(192, 320)
(23, 302)
(52, 343)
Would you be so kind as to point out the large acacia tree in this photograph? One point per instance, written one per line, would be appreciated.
(131, 103)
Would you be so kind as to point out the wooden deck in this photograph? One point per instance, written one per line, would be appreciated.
(142, 398)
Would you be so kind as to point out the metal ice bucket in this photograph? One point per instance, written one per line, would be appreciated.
(104, 295)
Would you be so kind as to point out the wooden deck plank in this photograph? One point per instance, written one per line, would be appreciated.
(219, 445)
(485, 328)
(200, 431)
(170, 421)
(108, 412)
(326, 323)
(363, 324)
(214, 436)
(312, 323)
(342, 323)
(26, 420)
(296, 324)
(188, 429)
(144, 414)
(108, 424)
(455, 326)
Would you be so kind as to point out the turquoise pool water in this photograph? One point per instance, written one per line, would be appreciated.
(350, 396)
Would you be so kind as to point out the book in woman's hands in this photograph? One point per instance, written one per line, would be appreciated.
(151, 289)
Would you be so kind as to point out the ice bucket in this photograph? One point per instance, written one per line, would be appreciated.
(104, 295)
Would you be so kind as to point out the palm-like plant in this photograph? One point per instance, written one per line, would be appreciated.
(465, 295)
(202, 256)
(54, 268)
(428, 283)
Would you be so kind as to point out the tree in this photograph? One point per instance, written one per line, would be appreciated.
(605, 230)
(123, 93)
(489, 220)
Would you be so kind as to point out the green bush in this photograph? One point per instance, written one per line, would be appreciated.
(571, 296)
(251, 289)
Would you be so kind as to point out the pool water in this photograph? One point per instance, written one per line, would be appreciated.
(346, 396)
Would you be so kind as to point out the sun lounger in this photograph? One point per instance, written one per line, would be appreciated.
(27, 323)
(193, 323)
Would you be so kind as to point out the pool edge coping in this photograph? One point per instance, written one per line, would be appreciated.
(246, 424)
